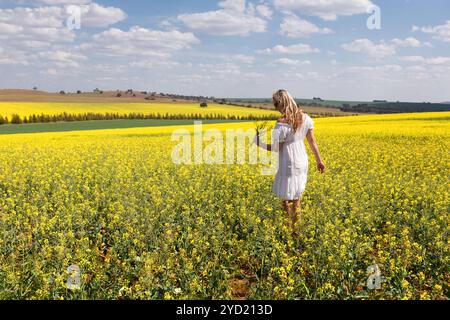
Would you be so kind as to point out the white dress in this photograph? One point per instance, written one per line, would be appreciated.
(292, 175)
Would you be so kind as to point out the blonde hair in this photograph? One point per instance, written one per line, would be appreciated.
(284, 103)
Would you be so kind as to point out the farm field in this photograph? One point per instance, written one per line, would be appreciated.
(139, 226)
(54, 108)
(96, 125)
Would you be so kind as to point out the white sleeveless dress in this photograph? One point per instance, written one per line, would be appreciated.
(292, 175)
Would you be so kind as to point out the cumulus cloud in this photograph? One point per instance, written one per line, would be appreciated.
(63, 2)
(294, 27)
(440, 32)
(94, 15)
(412, 58)
(61, 58)
(234, 18)
(39, 34)
(264, 11)
(380, 50)
(140, 41)
(383, 49)
(154, 63)
(438, 61)
(300, 48)
(55, 14)
(430, 61)
(12, 57)
(49, 23)
(409, 42)
(292, 62)
(242, 58)
(377, 73)
(325, 9)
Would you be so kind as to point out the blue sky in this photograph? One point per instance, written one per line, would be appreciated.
(230, 48)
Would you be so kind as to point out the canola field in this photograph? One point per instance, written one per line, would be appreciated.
(138, 226)
(7, 109)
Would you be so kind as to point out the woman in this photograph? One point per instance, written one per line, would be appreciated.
(288, 140)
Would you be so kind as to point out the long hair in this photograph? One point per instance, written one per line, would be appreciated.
(284, 103)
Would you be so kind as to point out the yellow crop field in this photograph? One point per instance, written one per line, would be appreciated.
(54, 108)
(112, 203)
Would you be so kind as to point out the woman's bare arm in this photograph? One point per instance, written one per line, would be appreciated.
(315, 149)
(268, 147)
(258, 142)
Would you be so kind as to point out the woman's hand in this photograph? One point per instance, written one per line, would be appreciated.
(321, 167)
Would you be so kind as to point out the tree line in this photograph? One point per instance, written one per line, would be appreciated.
(395, 107)
(72, 117)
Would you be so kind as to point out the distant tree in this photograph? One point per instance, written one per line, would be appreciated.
(62, 92)
(15, 119)
(35, 88)
(204, 105)
(79, 92)
(118, 95)
(96, 90)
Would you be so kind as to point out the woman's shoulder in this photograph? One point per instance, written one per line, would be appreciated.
(282, 122)
(305, 117)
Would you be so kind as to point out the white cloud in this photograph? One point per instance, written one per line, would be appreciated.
(292, 62)
(429, 61)
(140, 41)
(325, 9)
(233, 5)
(381, 72)
(94, 15)
(412, 58)
(293, 49)
(264, 11)
(13, 57)
(408, 42)
(440, 32)
(63, 2)
(154, 63)
(235, 18)
(48, 24)
(220, 70)
(241, 58)
(373, 50)
(416, 69)
(438, 61)
(383, 49)
(50, 72)
(41, 17)
(60, 58)
(10, 29)
(294, 27)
